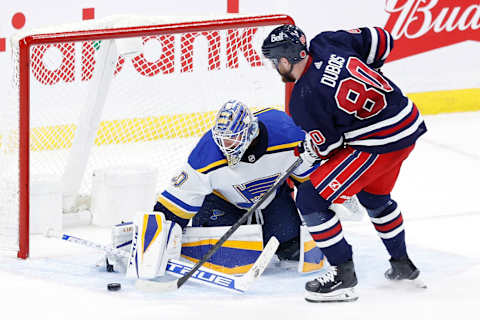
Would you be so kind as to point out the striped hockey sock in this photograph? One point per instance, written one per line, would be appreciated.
(326, 230)
(389, 226)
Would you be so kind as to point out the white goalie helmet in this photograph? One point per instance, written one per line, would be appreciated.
(235, 128)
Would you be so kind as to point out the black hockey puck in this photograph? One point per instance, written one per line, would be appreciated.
(114, 286)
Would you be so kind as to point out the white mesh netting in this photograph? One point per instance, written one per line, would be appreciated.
(162, 97)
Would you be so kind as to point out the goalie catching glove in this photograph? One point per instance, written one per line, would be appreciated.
(151, 241)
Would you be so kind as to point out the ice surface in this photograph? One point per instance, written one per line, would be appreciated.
(437, 191)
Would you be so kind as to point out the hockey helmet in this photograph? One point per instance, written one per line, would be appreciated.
(286, 41)
(234, 129)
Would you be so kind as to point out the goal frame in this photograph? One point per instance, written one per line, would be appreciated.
(100, 34)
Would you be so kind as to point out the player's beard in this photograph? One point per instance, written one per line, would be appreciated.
(287, 75)
(287, 78)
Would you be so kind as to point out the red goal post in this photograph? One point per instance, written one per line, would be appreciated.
(232, 67)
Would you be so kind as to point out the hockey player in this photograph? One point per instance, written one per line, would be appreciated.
(361, 124)
(230, 168)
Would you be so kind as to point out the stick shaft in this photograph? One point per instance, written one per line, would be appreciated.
(240, 221)
(87, 243)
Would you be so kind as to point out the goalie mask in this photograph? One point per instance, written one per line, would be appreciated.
(235, 128)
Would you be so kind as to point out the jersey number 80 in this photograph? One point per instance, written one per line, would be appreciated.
(355, 97)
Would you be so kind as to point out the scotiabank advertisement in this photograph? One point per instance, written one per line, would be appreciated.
(435, 55)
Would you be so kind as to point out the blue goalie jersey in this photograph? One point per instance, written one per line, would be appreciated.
(343, 99)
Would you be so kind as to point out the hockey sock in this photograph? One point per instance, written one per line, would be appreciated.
(323, 224)
(326, 230)
(387, 220)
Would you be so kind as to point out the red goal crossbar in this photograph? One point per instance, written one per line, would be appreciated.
(27, 42)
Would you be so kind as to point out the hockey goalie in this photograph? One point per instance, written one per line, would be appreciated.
(229, 170)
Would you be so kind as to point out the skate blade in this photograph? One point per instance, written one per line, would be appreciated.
(342, 295)
(415, 283)
(418, 283)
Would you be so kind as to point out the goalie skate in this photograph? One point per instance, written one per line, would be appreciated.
(336, 285)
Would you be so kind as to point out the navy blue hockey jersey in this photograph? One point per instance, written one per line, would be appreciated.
(342, 98)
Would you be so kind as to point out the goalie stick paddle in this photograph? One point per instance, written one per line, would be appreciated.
(235, 226)
(238, 284)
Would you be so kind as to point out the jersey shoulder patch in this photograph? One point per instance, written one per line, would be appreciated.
(206, 156)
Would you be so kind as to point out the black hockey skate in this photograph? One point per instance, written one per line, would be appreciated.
(289, 250)
(404, 269)
(336, 285)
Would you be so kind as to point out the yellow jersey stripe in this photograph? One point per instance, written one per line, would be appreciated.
(283, 146)
(298, 179)
(175, 209)
(212, 165)
(220, 195)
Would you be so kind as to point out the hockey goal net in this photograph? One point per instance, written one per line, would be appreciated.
(119, 91)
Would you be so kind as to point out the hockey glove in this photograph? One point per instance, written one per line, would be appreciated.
(121, 239)
(308, 151)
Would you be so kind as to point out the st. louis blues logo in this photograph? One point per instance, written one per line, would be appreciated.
(216, 213)
(253, 190)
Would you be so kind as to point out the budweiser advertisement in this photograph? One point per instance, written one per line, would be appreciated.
(422, 25)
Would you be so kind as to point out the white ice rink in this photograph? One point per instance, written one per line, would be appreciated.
(438, 191)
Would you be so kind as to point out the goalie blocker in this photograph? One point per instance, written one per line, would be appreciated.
(156, 240)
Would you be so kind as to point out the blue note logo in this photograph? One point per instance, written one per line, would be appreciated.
(215, 214)
(253, 190)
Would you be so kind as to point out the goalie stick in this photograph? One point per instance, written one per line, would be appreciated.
(239, 284)
(213, 278)
(173, 285)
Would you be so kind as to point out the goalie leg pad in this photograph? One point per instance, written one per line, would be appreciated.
(237, 254)
(155, 240)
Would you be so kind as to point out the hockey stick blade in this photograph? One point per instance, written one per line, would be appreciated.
(153, 286)
(213, 278)
(203, 275)
(261, 264)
